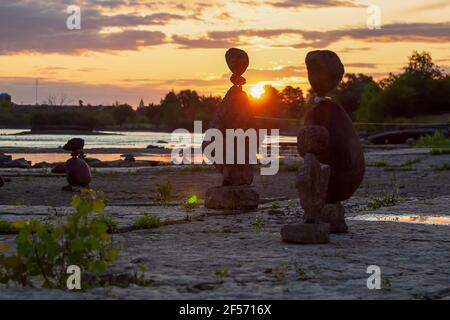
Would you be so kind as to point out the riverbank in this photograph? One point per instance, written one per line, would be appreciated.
(218, 255)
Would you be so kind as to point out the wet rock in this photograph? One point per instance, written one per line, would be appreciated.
(78, 173)
(42, 165)
(237, 61)
(306, 233)
(74, 144)
(5, 158)
(325, 71)
(232, 198)
(18, 163)
(128, 157)
(59, 168)
(334, 215)
(96, 163)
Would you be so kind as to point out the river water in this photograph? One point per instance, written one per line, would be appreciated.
(12, 138)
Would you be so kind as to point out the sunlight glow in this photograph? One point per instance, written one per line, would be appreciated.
(257, 90)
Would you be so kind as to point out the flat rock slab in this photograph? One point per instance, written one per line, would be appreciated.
(125, 216)
(183, 259)
(306, 233)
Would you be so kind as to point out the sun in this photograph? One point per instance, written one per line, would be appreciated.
(257, 90)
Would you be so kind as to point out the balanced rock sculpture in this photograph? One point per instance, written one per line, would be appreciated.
(344, 152)
(234, 113)
(77, 170)
(312, 183)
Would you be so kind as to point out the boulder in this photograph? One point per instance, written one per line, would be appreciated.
(334, 215)
(325, 71)
(96, 163)
(5, 158)
(19, 163)
(59, 168)
(42, 165)
(128, 157)
(306, 233)
(78, 172)
(232, 198)
(74, 144)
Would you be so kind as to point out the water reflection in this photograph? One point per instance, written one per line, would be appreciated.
(441, 220)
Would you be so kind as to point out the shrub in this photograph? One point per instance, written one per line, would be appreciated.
(163, 192)
(45, 250)
(191, 202)
(147, 221)
(438, 140)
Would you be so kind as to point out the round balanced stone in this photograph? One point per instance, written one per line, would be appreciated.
(78, 172)
(312, 139)
(74, 144)
(344, 153)
(237, 61)
(325, 71)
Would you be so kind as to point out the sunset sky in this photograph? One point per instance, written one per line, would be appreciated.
(132, 49)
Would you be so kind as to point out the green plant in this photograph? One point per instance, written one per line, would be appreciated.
(105, 174)
(389, 200)
(398, 168)
(7, 227)
(147, 221)
(44, 251)
(302, 275)
(386, 282)
(191, 202)
(410, 162)
(378, 164)
(163, 192)
(46, 172)
(276, 204)
(439, 152)
(437, 140)
(111, 223)
(442, 167)
(258, 224)
(222, 274)
(280, 271)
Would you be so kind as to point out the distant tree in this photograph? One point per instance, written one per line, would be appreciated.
(349, 92)
(293, 101)
(189, 101)
(421, 64)
(421, 89)
(122, 114)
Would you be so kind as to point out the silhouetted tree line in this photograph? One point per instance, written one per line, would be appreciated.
(421, 89)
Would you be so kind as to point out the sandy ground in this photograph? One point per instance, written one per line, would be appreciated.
(183, 259)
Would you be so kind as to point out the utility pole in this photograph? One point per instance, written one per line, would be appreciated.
(37, 85)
